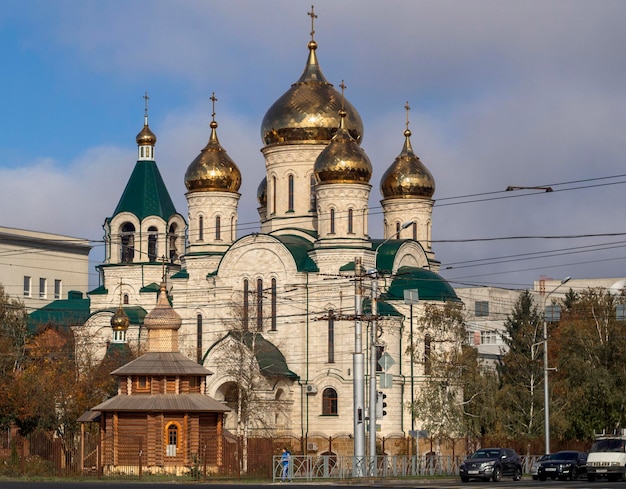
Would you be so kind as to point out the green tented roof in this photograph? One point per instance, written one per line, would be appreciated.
(102, 290)
(145, 193)
(299, 248)
(62, 312)
(430, 285)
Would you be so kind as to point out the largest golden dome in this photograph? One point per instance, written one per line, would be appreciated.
(407, 176)
(213, 170)
(343, 160)
(307, 112)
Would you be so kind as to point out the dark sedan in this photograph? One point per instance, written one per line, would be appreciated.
(491, 463)
(568, 464)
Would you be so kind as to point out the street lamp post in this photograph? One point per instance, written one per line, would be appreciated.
(546, 393)
(373, 329)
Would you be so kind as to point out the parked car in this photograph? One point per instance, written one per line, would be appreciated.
(491, 464)
(567, 464)
(534, 468)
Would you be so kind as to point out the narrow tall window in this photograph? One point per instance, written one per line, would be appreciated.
(274, 186)
(415, 231)
(233, 226)
(259, 304)
(152, 244)
(218, 228)
(57, 289)
(329, 402)
(427, 341)
(199, 338)
(172, 440)
(332, 221)
(291, 190)
(201, 228)
(125, 298)
(312, 196)
(331, 336)
(27, 282)
(273, 326)
(397, 235)
(42, 288)
(380, 349)
(246, 303)
(350, 221)
(173, 235)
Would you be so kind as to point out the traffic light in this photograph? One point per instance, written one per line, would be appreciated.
(380, 404)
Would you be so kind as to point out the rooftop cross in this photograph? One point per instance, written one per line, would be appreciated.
(213, 100)
(313, 17)
(146, 98)
(407, 108)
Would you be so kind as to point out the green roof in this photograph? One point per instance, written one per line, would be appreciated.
(62, 312)
(135, 313)
(383, 308)
(386, 253)
(299, 248)
(430, 285)
(271, 361)
(153, 287)
(181, 274)
(146, 194)
(101, 290)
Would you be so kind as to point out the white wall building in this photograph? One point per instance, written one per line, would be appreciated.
(38, 267)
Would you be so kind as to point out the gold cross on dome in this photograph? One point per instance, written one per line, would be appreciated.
(313, 17)
(213, 100)
(407, 108)
(146, 98)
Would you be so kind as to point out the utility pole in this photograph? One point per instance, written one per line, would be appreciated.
(358, 377)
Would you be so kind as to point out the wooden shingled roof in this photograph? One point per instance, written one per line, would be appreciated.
(162, 363)
(162, 403)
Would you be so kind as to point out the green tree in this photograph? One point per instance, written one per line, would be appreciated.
(589, 348)
(521, 371)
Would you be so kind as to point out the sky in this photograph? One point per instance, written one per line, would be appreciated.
(502, 93)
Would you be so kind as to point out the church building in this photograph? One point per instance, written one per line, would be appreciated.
(274, 314)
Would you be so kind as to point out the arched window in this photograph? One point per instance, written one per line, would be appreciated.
(201, 228)
(290, 193)
(172, 439)
(331, 336)
(415, 231)
(427, 341)
(332, 221)
(246, 304)
(152, 243)
(273, 326)
(259, 304)
(273, 190)
(218, 228)
(397, 235)
(312, 195)
(350, 221)
(128, 243)
(233, 226)
(329, 402)
(125, 299)
(173, 237)
(199, 338)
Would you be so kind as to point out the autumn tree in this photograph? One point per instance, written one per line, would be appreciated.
(440, 406)
(521, 371)
(589, 348)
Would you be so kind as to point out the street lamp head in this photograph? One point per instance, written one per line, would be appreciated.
(407, 224)
(565, 280)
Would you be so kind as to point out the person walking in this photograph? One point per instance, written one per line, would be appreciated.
(285, 459)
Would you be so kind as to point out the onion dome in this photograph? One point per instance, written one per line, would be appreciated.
(213, 170)
(162, 316)
(146, 137)
(307, 112)
(120, 321)
(261, 193)
(343, 160)
(407, 176)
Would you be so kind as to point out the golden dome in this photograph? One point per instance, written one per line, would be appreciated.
(343, 160)
(146, 137)
(120, 321)
(307, 112)
(213, 170)
(407, 176)
(163, 316)
(261, 193)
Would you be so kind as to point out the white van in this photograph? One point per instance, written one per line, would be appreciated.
(607, 457)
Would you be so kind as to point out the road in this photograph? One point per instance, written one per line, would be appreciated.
(525, 483)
